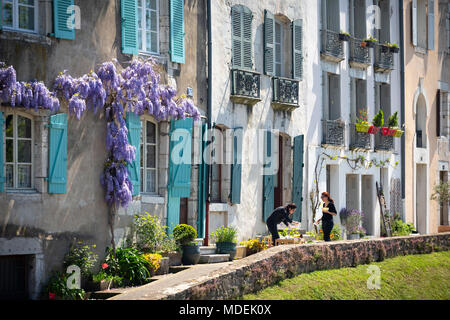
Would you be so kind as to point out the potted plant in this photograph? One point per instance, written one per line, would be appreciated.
(185, 234)
(393, 47)
(252, 246)
(225, 238)
(353, 223)
(344, 36)
(370, 42)
(362, 123)
(377, 122)
(393, 125)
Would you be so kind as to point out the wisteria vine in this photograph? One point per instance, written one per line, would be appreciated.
(136, 88)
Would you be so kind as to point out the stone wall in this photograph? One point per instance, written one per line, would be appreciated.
(270, 266)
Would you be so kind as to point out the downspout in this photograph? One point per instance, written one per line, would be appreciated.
(402, 99)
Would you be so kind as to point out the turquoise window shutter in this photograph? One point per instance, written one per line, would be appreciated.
(236, 167)
(62, 19)
(180, 157)
(57, 167)
(128, 15)
(203, 184)
(134, 138)
(268, 183)
(173, 212)
(297, 188)
(269, 48)
(2, 162)
(177, 53)
(297, 49)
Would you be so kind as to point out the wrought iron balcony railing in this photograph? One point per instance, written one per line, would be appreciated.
(359, 55)
(384, 59)
(245, 86)
(332, 47)
(285, 93)
(360, 140)
(333, 132)
(384, 143)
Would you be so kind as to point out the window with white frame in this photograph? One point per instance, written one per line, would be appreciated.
(148, 26)
(149, 157)
(21, 15)
(18, 151)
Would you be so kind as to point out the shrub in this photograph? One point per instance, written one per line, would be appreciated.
(378, 120)
(57, 287)
(224, 234)
(184, 234)
(102, 275)
(129, 264)
(393, 120)
(290, 233)
(353, 222)
(253, 245)
(81, 255)
(150, 234)
(400, 228)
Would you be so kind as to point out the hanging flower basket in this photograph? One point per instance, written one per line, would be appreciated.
(362, 127)
(373, 130)
(398, 133)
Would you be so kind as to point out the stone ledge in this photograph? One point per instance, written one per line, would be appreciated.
(270, 266)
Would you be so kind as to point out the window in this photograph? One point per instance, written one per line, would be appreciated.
(149, 157)
(18, 151)
(20, 15)
(148, 26)
(221, 168)
(278, 48)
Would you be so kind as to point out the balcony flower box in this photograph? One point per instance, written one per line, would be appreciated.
(369, 43)
(394, 49)
(373, 130)
(362, 127)
(385, 48)
(398, 133)
(388, 131)
(344, 37)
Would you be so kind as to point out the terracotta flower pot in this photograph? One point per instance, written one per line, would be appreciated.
(373, 130)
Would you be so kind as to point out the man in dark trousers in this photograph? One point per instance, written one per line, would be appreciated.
(281, 214)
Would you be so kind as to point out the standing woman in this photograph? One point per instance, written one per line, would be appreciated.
(328, 210)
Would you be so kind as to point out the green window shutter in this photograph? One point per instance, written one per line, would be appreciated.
(236, 167)
(430, 24)
(414, 22)
(57, 166)
(268, 183)
(269, 34)
(297, 188)
(2, 163)
(297, 49)
(236, 26)
(128, 15)
(203, 184)
(180, 171)
(177, 52)
(134, 138)
(61, 18)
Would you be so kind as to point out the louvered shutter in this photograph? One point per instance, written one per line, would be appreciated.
(269, 34)
(177, 52)
(268, 179)
(128, 14)
(414, 22)
(430, 24)
(297, 188)
(61, 17)
(247, 18)
(241, 21)
(57, 155)
(297, 49)
(2, 161)
(236, 26)
(236, 168)
(134, 138)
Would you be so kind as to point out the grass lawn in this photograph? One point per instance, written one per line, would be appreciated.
(412, 277)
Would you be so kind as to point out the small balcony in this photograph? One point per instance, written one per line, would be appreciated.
(360, 140)
(245, 87)
(384, 59)
(359, 55)
(384, 143)
(332, 47)
(333, 133)
(285, 94)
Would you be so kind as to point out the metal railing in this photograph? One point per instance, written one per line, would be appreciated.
(359, 54)
(331, 45)
(359, 140)
(333, 132)
(245, 83)
(384, 58)
(384, 143)
(285, 91)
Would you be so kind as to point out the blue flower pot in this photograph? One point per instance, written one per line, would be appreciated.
(191, 254)
(226, 248)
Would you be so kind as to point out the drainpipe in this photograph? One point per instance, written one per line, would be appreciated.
(209, 114)
(402, 99)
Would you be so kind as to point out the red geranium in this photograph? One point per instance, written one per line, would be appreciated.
(104, 266)
(51, 296)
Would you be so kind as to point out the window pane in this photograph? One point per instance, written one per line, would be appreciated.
(9, 150)
(148, 42)
(24, 151)
(151, 156)
(9, 176)
(142, 157)
(142, 179)
(154, 42)
(151, 4)
(28, 2)
(9, 126)
(23, 127)
(151, 132)
(140, 18)
(7, 15)
(26, 18)
(24, 176)
(151, 181)
(153, 21)
(139, 3)
(140, 39)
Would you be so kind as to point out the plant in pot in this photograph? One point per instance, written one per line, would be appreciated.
(344, 36)
(393, 125)
(370, 42)
(185, 234)
(225, 238)
(377, 122)
(353, 224)
(393, 47)
(362, 123)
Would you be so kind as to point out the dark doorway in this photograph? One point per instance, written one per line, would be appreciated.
(443, 177)
(14, 277)
(183, 210)
(278, 180)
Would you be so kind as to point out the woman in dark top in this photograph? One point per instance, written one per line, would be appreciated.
(328, 210)
(281, 214)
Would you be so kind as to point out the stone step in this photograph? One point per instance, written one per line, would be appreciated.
(207, 250)
(214, 258)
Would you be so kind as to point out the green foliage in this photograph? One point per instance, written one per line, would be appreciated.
(57, 285)
(290, 233)
(253, 245)
(371, 39)
(336, 233)
(393, 120)
(378, 120)
(102, 275)
(128, 264)
(225, 234)
(151, 235)
(184, 234)
(399, 228)
(441, 192)
(81, 255)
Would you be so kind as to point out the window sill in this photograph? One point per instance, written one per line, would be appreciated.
(8, 34)
(152, 199)
(420, 50)
(218, 207)
(23, 195)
